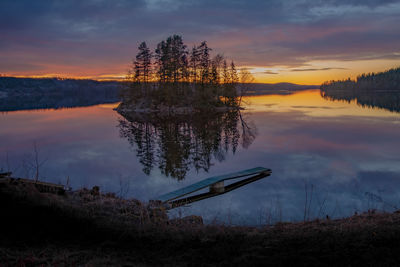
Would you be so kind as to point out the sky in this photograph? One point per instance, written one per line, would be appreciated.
(302, 41)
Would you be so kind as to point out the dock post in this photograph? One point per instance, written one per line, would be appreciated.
(217, 187)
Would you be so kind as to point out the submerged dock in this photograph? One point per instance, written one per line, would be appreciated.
(216, 187)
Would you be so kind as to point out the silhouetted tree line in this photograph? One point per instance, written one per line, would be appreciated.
(176, 144)
(173, 75)
(381, 90)
(387, 80)
(38, 93)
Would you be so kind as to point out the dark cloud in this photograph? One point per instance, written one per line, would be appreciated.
(316, 69)
(16, 66)
(270, 72)
(260, 33)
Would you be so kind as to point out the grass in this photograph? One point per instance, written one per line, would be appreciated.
(88, 228)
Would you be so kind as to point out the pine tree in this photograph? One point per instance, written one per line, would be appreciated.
(212, 80)
(233, 74)
(194, 63)
(171, 60)
(161, 56)
(142, 64)
(204, 62)
(225, 73)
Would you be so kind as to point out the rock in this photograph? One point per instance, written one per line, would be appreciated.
(95, 191)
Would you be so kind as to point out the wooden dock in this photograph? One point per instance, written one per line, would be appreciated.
(216, 187)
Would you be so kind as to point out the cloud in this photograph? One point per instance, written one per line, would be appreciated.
(253, 33)
(316, 69)
(269, 72)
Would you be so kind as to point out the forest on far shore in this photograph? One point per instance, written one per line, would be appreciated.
(377, 90)
(387, 80)
(175, 76)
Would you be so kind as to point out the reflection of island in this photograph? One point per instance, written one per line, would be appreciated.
(389, 100)
(177, 143)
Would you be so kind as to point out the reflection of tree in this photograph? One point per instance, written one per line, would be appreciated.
(389, 100)
(177, 143)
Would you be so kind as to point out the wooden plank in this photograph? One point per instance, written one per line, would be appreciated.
(209, 181)
(228, 188)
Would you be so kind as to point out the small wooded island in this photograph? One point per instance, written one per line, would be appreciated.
(176, 80)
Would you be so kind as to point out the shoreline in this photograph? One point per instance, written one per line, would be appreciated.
(164, 110)
(88, 227)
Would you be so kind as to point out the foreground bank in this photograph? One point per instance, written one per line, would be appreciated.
(88, 227)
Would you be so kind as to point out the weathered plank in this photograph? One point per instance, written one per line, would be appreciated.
(212, 193)
(208, 182)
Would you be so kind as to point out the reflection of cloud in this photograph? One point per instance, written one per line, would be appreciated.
(377, 178)
(316, 107)
(342, 157)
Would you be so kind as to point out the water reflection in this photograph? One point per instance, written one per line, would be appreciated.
(348, 154)
(384, 99)
(177, 143)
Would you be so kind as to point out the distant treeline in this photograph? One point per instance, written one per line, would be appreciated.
(276, 88)
(39, 93)
(381, 90)
(387, 80)
(173, 75)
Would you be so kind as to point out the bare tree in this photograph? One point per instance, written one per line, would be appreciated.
(246, 79)
(124, 186)
(37, 163)
(7, 162)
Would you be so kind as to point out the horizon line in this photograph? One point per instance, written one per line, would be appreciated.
(110, 79)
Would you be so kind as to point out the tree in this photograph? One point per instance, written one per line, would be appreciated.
(225, 72)
(216, 63)
(246, 79)
(204, 51)
(179, 59)
(171, 60)
(142, 64)
(194, 63)
(161, 56)
(139, 74)
(234, 78)
(230, 78)
(181, 78)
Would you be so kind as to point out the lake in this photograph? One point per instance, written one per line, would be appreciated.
(329, 157)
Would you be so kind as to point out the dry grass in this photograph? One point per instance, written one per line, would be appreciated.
(94, 229)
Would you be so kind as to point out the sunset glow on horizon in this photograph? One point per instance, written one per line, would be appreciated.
(309, 75)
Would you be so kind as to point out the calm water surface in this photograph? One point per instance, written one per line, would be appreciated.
(338, 156)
